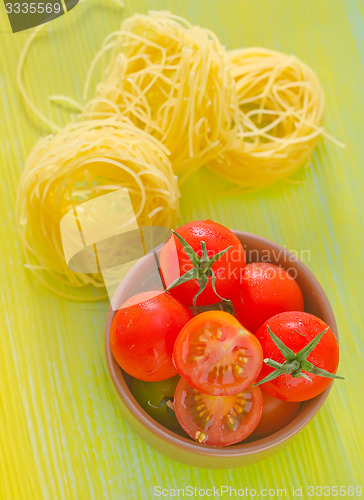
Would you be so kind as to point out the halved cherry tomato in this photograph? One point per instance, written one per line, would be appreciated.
(215, 354)
(276, 415)
(217, 420)
(266, 290)
(209, 280)
(143, 332)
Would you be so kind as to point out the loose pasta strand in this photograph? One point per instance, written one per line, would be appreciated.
(54, 127)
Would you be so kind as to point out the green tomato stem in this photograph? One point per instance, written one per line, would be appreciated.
(295, 363)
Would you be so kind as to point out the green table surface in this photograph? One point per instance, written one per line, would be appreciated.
(61, 432)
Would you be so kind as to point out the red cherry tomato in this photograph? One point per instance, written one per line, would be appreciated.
(143, 333)
(217, 420)
(174, 262)
(296, 330)
(276, 415)
(266, 290)
(215, 354)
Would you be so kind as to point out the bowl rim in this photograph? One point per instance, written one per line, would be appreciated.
(306, 413)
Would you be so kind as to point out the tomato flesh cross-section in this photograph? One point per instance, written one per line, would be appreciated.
(217, 420)
(216, 355)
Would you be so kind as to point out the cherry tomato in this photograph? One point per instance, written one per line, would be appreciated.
(217, 420)
(296, 330)
(155, 399)
(215, 354)
(266, 290)
(143, 332)
(205, 239)
(276, 415)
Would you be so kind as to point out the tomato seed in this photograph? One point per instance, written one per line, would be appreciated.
(206, 335)
(200, 436)
(247, 406)
(198, 357)
(207, 419)
(232, 422)
(238, 409)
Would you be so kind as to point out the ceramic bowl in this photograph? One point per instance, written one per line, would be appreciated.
(143, 276)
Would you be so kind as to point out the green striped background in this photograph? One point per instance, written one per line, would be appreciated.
(61, 433)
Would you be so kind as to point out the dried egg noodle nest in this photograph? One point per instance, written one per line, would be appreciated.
(172, 80)
(80, 162)
(281, 106)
